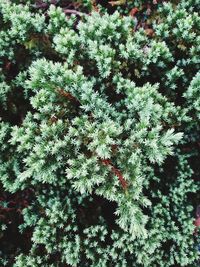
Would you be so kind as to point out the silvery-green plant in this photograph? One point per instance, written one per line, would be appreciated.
(100, 121)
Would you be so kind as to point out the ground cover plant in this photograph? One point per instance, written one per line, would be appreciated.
(99, 133)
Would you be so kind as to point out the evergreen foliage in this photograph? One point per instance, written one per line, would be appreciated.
(101, 122)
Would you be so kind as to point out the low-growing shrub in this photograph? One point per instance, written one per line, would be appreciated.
(100, 125)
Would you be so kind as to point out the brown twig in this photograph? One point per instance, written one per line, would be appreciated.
(65, 10)
(75, 12)
(117, 172)
(67, 95)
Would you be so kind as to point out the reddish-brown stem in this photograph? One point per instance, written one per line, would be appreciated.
(65, 10)
(75, 12)
(67, 95)
(117, 172)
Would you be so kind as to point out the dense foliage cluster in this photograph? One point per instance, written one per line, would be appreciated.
(99, 133)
